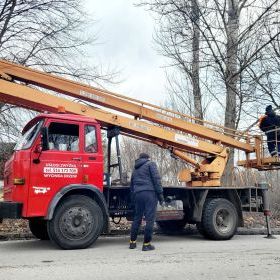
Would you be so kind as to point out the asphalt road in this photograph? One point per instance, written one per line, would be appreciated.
(175, 257)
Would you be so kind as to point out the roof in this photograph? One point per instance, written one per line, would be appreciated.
(67, 117)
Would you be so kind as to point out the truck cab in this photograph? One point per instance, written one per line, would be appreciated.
(35, 174)
(58, 154)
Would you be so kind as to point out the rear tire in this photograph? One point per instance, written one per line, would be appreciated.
(38, 227)
(77, 223)
(219, 219)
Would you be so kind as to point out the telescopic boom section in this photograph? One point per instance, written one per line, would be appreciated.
(136, 108)
(30, 98)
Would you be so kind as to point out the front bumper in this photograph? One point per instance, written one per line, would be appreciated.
(10, 210)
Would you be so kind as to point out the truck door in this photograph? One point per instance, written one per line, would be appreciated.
(93, 156)
(58, 167)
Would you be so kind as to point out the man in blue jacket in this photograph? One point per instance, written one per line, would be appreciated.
(146, 191)
(270, 124)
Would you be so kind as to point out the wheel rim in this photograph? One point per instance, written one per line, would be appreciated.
(76, 223)
(224, 221)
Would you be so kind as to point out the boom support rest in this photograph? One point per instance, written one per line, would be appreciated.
(207, 173)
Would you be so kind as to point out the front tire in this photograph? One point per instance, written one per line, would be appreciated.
(38, 227)
(219, 219)
(77, 223)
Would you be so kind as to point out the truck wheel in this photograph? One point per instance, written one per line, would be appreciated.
(77, 223)
(38, 227)
(219, 219)
(172, 225)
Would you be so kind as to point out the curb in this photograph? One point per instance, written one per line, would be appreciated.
(257, 231)
(240, 231)
(16, 236)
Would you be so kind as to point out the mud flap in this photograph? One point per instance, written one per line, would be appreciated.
(10, 210)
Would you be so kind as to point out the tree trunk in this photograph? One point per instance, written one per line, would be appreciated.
(231, 79)
(198, 113)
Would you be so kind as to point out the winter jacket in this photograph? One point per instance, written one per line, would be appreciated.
(145, 177)
(269, 123)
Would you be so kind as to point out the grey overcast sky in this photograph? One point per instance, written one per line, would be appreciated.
(125, 33)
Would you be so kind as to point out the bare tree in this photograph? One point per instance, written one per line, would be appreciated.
(265, 73)
(233, 36)
(195, 16)
(50, 35)
(178, 36)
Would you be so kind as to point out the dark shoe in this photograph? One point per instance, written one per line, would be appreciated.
(132, 245)
(148, 247)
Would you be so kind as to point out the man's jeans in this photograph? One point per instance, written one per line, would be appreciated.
(145, 205)
(272, 144)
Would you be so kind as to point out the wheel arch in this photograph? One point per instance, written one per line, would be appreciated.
(87, 190)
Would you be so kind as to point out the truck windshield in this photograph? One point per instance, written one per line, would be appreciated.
(28, 137)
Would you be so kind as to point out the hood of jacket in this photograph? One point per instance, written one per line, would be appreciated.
(270, 114)
(139, 162)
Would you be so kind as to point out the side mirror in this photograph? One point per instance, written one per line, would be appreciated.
(45, 138)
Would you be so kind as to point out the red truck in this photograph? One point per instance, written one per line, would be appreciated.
(55, 178)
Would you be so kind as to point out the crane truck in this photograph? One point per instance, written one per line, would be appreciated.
(55, 178)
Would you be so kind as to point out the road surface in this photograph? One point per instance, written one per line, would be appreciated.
(175, 257)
